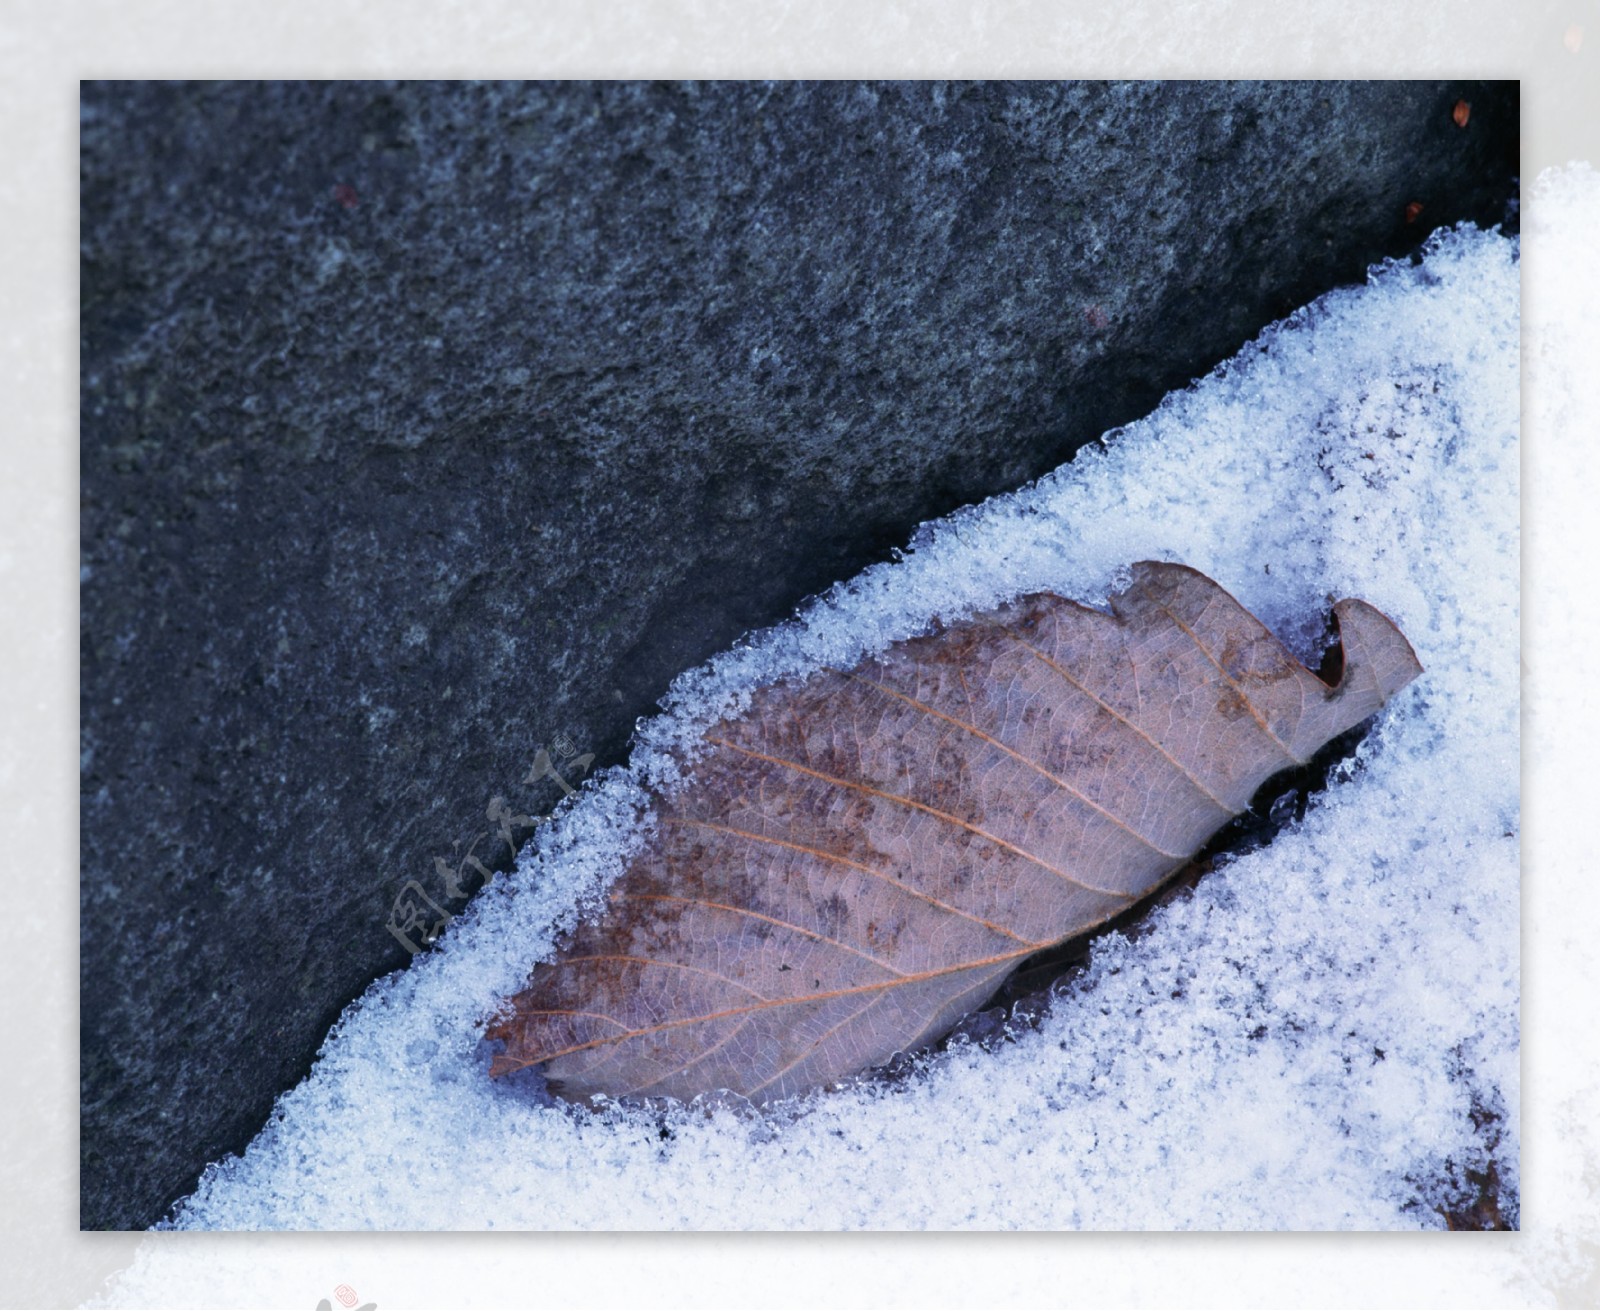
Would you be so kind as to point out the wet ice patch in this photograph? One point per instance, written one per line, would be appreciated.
(1323, 1035)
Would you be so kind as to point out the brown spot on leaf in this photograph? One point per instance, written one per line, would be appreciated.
(1231, 706)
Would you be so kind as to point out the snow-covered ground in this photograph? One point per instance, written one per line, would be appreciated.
(1367, 446)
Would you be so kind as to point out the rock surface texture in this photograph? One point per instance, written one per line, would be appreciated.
(429, 427)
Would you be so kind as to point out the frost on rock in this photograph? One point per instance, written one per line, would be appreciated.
(1322, 1035)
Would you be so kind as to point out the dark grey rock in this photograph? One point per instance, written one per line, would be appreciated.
(424, 425)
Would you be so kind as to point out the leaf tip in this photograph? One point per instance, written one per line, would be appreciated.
(1376, 638)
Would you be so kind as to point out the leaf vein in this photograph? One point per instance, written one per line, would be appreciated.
(769, 1002)
(755, 914)
(1217, 664)
(1031, 764)
(865, 869)
(1123, 719)
(929, 810)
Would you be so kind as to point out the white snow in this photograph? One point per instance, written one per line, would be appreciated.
(1324, 1035)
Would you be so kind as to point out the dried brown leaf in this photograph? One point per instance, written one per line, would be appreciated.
(864, 856)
